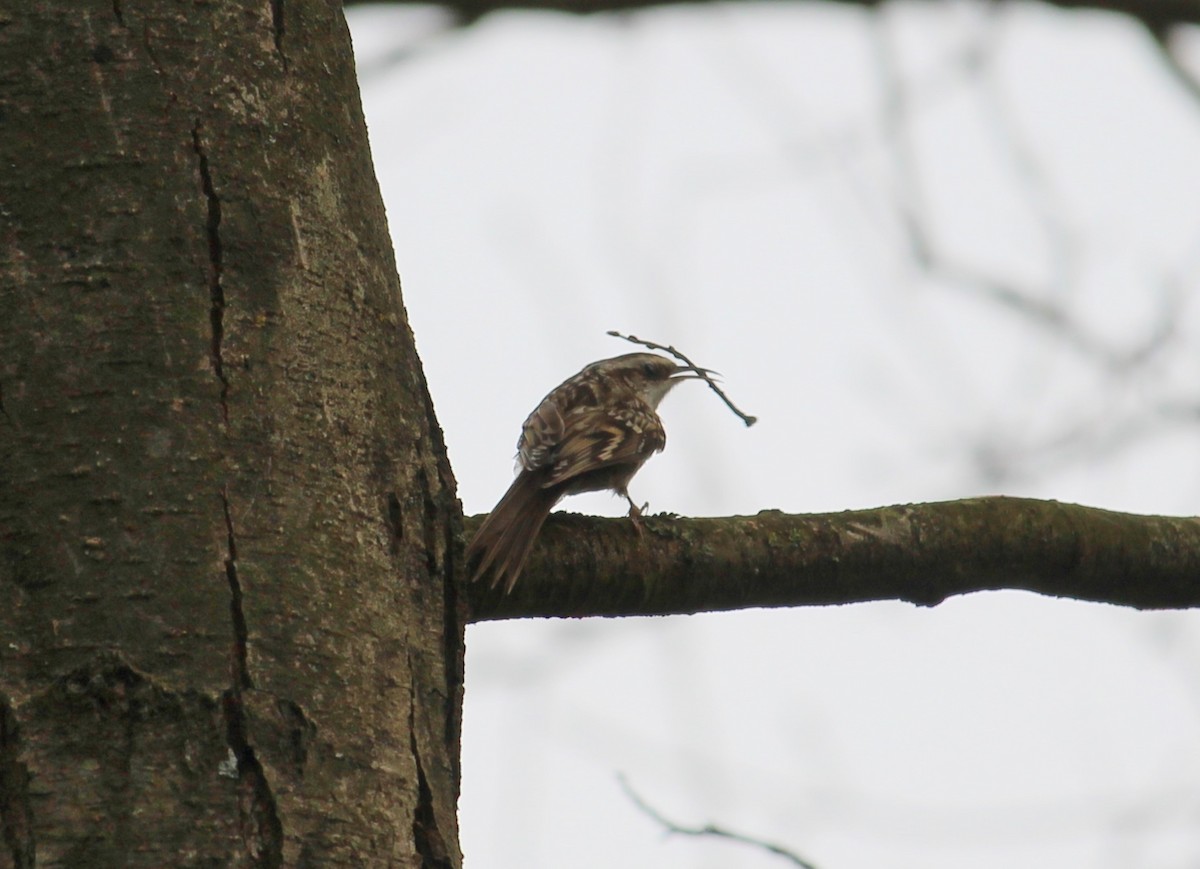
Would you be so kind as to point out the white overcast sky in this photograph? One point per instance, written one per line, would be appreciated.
(735, 180)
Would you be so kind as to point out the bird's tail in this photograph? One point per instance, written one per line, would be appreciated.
(505, 538)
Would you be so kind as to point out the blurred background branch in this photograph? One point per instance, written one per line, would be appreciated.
(1157, 14)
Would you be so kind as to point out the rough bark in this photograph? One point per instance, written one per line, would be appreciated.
(226, 517)
(922, 553)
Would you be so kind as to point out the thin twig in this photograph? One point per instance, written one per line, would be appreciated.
(703, 372)
(711, 830)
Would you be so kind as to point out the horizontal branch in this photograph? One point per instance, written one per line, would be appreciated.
(1156, 13)
(921, 553)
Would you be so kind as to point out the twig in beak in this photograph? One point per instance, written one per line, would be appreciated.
(702, 373)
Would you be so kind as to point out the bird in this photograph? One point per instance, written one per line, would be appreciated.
(592, 432)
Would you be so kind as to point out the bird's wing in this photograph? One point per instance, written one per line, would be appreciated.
(596, 438)
(540, 435)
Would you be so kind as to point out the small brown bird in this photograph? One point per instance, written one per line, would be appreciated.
(592, 432)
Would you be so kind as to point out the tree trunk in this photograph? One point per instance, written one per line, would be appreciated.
(227, 523)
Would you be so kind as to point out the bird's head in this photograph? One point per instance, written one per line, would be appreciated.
(648, 374)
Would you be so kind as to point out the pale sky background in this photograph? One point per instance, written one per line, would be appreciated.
(736, 180)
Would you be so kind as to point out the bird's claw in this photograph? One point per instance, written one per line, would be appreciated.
(635, 515)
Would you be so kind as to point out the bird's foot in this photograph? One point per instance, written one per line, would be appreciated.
(635, 514)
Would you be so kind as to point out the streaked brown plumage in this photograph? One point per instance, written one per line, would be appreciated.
(593, 431)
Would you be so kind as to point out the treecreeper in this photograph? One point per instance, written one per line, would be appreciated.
(592, 432)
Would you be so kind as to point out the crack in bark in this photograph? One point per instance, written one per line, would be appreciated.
(395, 517)
(446, 512)
(258, 815)
(427, 838)
(216, 290)
(443, 569)
(278, 27)
(238, 669)
(16, 814)
(118, 12)
(433, 564)
(262, 831)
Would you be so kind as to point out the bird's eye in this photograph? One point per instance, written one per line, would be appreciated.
(651, 369)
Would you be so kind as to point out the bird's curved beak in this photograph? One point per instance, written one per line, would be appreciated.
(694, 373)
